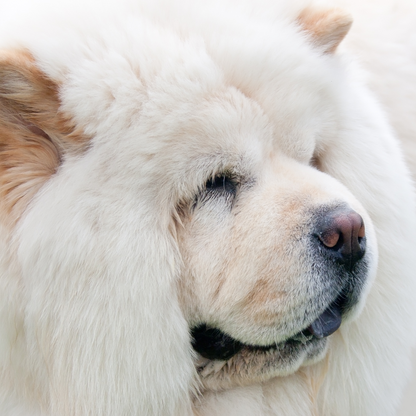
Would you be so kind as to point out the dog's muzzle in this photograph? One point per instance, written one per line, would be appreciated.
(339, 240)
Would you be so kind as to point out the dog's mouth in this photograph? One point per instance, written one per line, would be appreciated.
(212, 343)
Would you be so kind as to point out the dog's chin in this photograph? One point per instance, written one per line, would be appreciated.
(225, 362)
(253, 364)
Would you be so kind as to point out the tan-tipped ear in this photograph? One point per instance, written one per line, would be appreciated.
(34, 134)
(327, 28)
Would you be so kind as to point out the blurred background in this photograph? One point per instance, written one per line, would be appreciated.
(408, 407)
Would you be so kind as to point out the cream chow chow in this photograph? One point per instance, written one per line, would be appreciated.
(204, 211)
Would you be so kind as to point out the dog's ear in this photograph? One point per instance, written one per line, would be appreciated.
(326, 27)
(34, 134)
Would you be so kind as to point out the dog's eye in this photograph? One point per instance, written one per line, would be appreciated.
(221, 183)
(221, 188)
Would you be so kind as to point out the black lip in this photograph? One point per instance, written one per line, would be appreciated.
(212, 343)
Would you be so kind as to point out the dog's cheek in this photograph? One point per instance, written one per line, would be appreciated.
(205, 249)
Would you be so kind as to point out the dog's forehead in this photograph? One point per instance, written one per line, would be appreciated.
(197, 93)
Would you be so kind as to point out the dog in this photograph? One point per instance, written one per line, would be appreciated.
(204, 211)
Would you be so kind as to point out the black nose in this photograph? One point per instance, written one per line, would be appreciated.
(341, 232)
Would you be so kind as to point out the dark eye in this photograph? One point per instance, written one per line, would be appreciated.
(221, 188)
(222, 183)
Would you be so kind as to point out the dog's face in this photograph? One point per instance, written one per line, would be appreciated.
(271, 249)
(221, 173)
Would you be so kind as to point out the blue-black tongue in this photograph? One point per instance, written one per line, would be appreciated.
(327, 323)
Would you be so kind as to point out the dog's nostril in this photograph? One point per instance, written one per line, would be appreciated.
(329, 238)
(342, 232)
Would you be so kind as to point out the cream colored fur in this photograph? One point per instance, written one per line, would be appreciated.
(107, 269)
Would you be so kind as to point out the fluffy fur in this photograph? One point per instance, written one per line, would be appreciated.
(113, 120)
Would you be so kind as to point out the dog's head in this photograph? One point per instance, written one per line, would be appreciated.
(174, 206)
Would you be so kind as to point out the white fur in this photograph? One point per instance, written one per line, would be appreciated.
(90, 322)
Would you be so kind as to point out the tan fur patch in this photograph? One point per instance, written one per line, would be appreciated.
(327, 27)
(34, 133)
